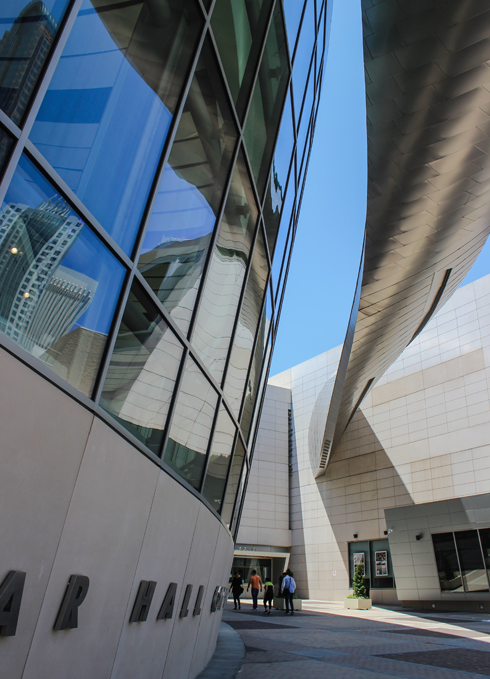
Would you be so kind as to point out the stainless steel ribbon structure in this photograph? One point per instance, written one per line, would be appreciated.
(427, 69)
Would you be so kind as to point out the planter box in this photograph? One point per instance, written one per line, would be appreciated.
(280, 604)
(358, 604)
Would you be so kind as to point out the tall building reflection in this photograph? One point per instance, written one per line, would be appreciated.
(23, 52)
(40, 300)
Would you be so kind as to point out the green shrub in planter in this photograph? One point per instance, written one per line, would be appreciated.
(358, 584)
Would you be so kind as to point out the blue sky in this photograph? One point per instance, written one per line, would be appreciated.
(327, 250)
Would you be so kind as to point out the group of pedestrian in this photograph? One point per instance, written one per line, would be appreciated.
(288, 587)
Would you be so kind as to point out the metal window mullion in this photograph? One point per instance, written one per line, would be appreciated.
(167, 148)
(259, 63)
(182, 338)
(112, 337)
(10, 126)
(230, 466)
(263, 307)
(244, 462)
(286, 274)
(238, 509)
(264, 370)
(289, 187)
(311, 78)
(459, 562)
(283, 262)
(225, 81)
(173, 401)
(210, 443)
(483, 555)
(300, 28)
(260, 406)
(75, 203)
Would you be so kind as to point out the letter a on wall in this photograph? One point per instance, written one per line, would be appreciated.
(10, 599)
(167, 608)
(74, 597)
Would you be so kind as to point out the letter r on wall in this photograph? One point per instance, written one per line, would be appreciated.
(74, 597)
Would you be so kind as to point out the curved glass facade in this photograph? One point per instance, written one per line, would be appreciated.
(152, 156)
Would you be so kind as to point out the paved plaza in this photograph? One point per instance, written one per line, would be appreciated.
(325, 640)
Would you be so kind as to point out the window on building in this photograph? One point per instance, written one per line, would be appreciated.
(141, 376)
(239, 28)
(375, 555)
(447, 563)
(463, 560)
(28, 32)
(189, 196)
(56, 303)
(105, 117)
(191, 425)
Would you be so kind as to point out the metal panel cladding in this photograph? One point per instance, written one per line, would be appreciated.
(428, 208)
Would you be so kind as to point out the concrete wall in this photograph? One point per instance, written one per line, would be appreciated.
(75, 498)
(420, 436)
(265, 514)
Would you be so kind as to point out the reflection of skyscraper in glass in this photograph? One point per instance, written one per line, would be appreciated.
(40, 300)
(23, 51)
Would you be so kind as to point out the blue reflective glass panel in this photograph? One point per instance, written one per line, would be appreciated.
(305, 120)
(106, 114)
(276, 189)
(283, 232)
(141, 376)
(292, 13)
(59, 284)
(192, 420)
(302, 58)
(189, 197)
(27, 32)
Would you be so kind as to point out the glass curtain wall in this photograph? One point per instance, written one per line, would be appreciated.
(463, 560)
(149, 197)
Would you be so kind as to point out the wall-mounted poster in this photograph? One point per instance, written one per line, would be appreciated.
(359, 558)
(381, 564)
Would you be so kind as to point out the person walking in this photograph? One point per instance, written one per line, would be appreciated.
(255, 582)
(268, 596)
(237, 589)
(288, 587)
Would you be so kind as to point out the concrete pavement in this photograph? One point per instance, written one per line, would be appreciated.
(327, 640)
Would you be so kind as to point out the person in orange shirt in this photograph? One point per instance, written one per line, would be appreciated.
(255, 582)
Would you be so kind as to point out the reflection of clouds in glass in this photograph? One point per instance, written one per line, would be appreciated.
(110, 104)
(189, 196)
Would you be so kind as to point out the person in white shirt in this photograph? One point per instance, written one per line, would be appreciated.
(288, 587)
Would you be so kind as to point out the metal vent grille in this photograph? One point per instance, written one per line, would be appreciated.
(325, 452)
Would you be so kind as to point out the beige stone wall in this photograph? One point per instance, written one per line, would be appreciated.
(421, 435)
(265, 515)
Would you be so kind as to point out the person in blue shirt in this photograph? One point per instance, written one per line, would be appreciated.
(288, 587)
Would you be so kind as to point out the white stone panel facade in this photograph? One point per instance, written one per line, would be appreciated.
(421, 435)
